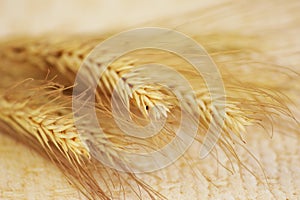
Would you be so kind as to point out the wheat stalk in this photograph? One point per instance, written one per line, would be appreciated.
(40, 116)
(247, 103)
(67, 55)
(47, 124)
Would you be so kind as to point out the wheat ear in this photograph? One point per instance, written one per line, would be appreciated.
(40, 116)
(249, 103)
(67, 55)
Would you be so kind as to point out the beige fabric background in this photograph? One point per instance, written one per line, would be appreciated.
(25, 175)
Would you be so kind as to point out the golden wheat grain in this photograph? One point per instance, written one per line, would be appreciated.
(248, 102)
(67, 55)
(40, 116)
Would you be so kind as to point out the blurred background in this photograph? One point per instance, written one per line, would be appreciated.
(36, 17)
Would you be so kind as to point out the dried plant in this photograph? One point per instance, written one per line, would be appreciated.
(39, 112)
(41, 117)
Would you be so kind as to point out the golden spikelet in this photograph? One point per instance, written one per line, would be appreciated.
(40, 116)
(40, 111)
